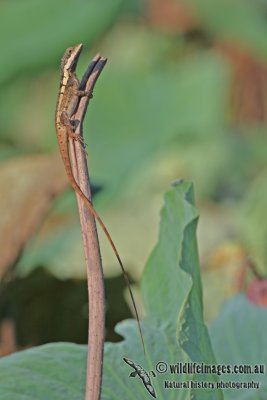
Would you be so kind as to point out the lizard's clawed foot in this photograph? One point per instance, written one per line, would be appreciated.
(84, 93)
(79, 138)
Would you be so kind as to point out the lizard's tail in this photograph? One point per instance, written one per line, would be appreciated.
(92, 210)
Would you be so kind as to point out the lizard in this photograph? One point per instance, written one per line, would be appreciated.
(67, 103)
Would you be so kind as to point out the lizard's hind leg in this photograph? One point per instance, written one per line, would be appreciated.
(77, 137)
(70, 130)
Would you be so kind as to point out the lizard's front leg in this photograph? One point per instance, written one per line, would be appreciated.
(84, 93)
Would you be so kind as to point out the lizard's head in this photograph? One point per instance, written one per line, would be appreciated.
(70, 58)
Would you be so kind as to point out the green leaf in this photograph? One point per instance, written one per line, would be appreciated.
(27, 30)
(53, 371)
(173, 328)
(149, 109)
(238, 337)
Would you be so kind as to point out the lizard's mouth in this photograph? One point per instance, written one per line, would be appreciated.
(71, 57)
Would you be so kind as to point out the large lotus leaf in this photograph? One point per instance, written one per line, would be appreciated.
(238, 337)
(54, 371)
(173, 329)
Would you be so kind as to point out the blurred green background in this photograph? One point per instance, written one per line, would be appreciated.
(183, 96)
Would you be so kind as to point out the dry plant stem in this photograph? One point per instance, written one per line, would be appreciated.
(95, 277)
(91, 77)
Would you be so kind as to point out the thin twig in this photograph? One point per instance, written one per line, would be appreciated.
(91, 76)
(96, 294)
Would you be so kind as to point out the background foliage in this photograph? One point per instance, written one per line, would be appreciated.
(183, 95)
